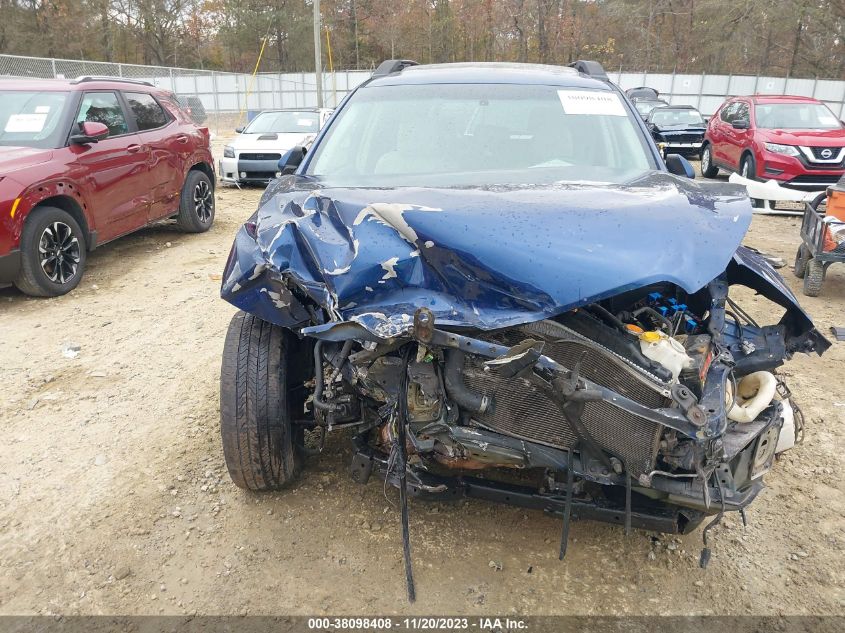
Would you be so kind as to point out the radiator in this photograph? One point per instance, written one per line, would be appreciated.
(521, 410)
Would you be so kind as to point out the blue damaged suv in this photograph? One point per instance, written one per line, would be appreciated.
(490, 278)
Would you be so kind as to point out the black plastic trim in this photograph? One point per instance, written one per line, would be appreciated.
(10, 264)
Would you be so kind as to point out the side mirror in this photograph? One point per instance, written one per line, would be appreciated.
(741, 124)
(90, 132)
(239, 129)
(291, 159)
(680, 166)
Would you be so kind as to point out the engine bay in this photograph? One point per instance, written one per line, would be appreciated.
(653, 408)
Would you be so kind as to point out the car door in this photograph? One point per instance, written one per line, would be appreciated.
(737, 139)
(170, 149)
(113, 171)
(718, 134)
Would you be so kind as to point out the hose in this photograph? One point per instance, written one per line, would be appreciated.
(453, 378)
(318, 401)
(608, 316)
(656, 315)
(402, 465)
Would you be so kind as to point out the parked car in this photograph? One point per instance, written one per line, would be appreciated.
(642, 93)
(487, 275)
(680, 129)
(83, 162)
(253, 156)
(796, 141)
(645, 106)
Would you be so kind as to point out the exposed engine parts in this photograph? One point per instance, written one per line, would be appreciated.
(643, 409)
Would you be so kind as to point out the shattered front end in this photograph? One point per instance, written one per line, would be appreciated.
(499, 346)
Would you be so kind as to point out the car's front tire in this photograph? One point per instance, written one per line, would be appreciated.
(196, 203)
(53, 253)
(748, 167)
(708, 169)
(261, 446)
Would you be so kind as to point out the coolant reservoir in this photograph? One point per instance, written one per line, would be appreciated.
(755, 392)
(666, 351)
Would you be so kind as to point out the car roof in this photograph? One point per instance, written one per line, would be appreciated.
(72, 85)
(773, 99)
(676, 107)
(489, 73)
(782, 99)
(304, 109)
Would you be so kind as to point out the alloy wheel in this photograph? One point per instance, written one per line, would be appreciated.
(203, 201)
(59, 253)
(705, 159)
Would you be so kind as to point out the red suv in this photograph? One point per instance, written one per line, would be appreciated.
(85, 161)
(796, 141)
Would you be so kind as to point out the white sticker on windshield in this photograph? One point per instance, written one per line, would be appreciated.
(42, 109)
(826, 119)
(304, 122)
(591, 102)
(25, 123)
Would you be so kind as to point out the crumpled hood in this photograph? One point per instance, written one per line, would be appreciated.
(14, 159)
(484, 258)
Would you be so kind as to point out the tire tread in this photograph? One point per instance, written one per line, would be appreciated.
(255, 418)
(813, 278)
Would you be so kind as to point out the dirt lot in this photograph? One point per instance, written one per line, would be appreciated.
(114, 498)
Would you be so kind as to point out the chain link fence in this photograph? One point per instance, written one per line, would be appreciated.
(230, 97)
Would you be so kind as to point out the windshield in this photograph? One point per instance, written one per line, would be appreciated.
(479, 134)
(795, 116)
(283, 123)
(668, 116)
(31, 119)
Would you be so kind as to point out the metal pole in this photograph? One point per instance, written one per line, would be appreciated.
(672, 83)
(318, 56)
(216, 103)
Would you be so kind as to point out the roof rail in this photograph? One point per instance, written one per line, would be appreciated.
(591, 68)
(85, 78)
(391, 66)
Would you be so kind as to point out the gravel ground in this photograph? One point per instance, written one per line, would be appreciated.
(114, 498)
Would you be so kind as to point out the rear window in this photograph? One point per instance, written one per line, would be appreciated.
(32, 119)
(149, 115)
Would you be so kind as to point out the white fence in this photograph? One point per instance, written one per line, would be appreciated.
(223, 92)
